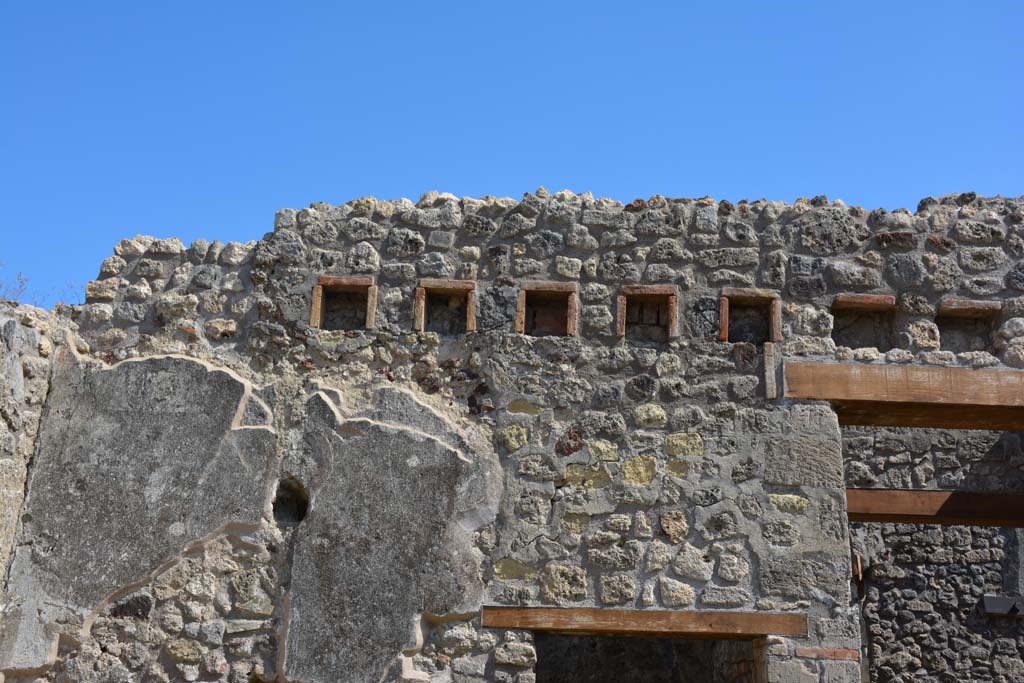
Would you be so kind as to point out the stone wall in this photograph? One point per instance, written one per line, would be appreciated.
(418, 475)
(923, 584)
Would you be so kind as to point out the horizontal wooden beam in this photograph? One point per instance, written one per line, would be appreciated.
(961, 508)
(864, 302)
(650, 290)
(444, 285)
(547, 286)
(709, 624)
(345, 281)
(955, 307)
(749, 295)
(912, 396)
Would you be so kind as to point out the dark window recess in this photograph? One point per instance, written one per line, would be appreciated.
(344, 310)
(647, 318)
(590, 659)
(749, 322)
(860, 329)
(960, 335)
(445, 313)
(547, 314)
(291, 503)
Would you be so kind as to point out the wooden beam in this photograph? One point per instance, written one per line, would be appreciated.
(650, 290)
(775, 321)
(343, 282)
(961, 508)
(620, 315)
(723, 318)
(864, 302)
(316, 309)
(912, 396)
(447, 286)
(749, 295)
(548, 286)
(708, 624)
(955, 307)
(419, 309)
(572, 316)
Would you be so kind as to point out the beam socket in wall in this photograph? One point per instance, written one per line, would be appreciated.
(344, 302)
(291, 503)
(648, 312)
(749, 315)
(966, 324)
(546, 309)
(445, 306)
(863, 320)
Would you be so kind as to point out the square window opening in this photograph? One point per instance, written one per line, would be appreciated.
(961, 335)
(648, 318)
(859, 329)
(749, 322)
(546, 314)
(344, 309)
(445, 313)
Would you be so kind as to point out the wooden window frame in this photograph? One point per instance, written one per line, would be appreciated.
(751, 297)
(670, 293)
(344, 283)
(466, 288)
(570, 289)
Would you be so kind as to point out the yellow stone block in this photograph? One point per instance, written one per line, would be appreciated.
(684, 443)
(514, 437)
(586, 476)
(788, 502)
(604, 450)
(639, 471)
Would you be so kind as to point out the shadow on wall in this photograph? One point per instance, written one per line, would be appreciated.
(589, 659)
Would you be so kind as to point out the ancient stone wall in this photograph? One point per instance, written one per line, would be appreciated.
(297, 465)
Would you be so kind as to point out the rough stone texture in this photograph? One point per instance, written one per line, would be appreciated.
(409, 546)
(25, 345)
(422, 474)
(126, 474)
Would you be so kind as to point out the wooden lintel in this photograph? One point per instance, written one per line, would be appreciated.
(912, 396)
(935, 507)
(749, 295)
(445, 286)
(864, 302)
(955, 307)
(709, 624)
(650, 290)
(345, 281)
(547, 286)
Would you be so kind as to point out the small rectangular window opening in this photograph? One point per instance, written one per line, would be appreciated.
(753, 316)
(344, 303)
(966, 325)
(547, 309)
(445, 307)
(648, 312)
(863, 321)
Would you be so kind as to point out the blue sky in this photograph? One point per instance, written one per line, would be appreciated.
(200, 119)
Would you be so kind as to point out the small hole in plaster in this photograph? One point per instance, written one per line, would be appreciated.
(291, 503)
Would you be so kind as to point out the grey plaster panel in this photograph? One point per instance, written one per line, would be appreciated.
(132, 464)
(388, 539)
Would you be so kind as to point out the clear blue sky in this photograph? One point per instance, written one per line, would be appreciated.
(200, 119)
